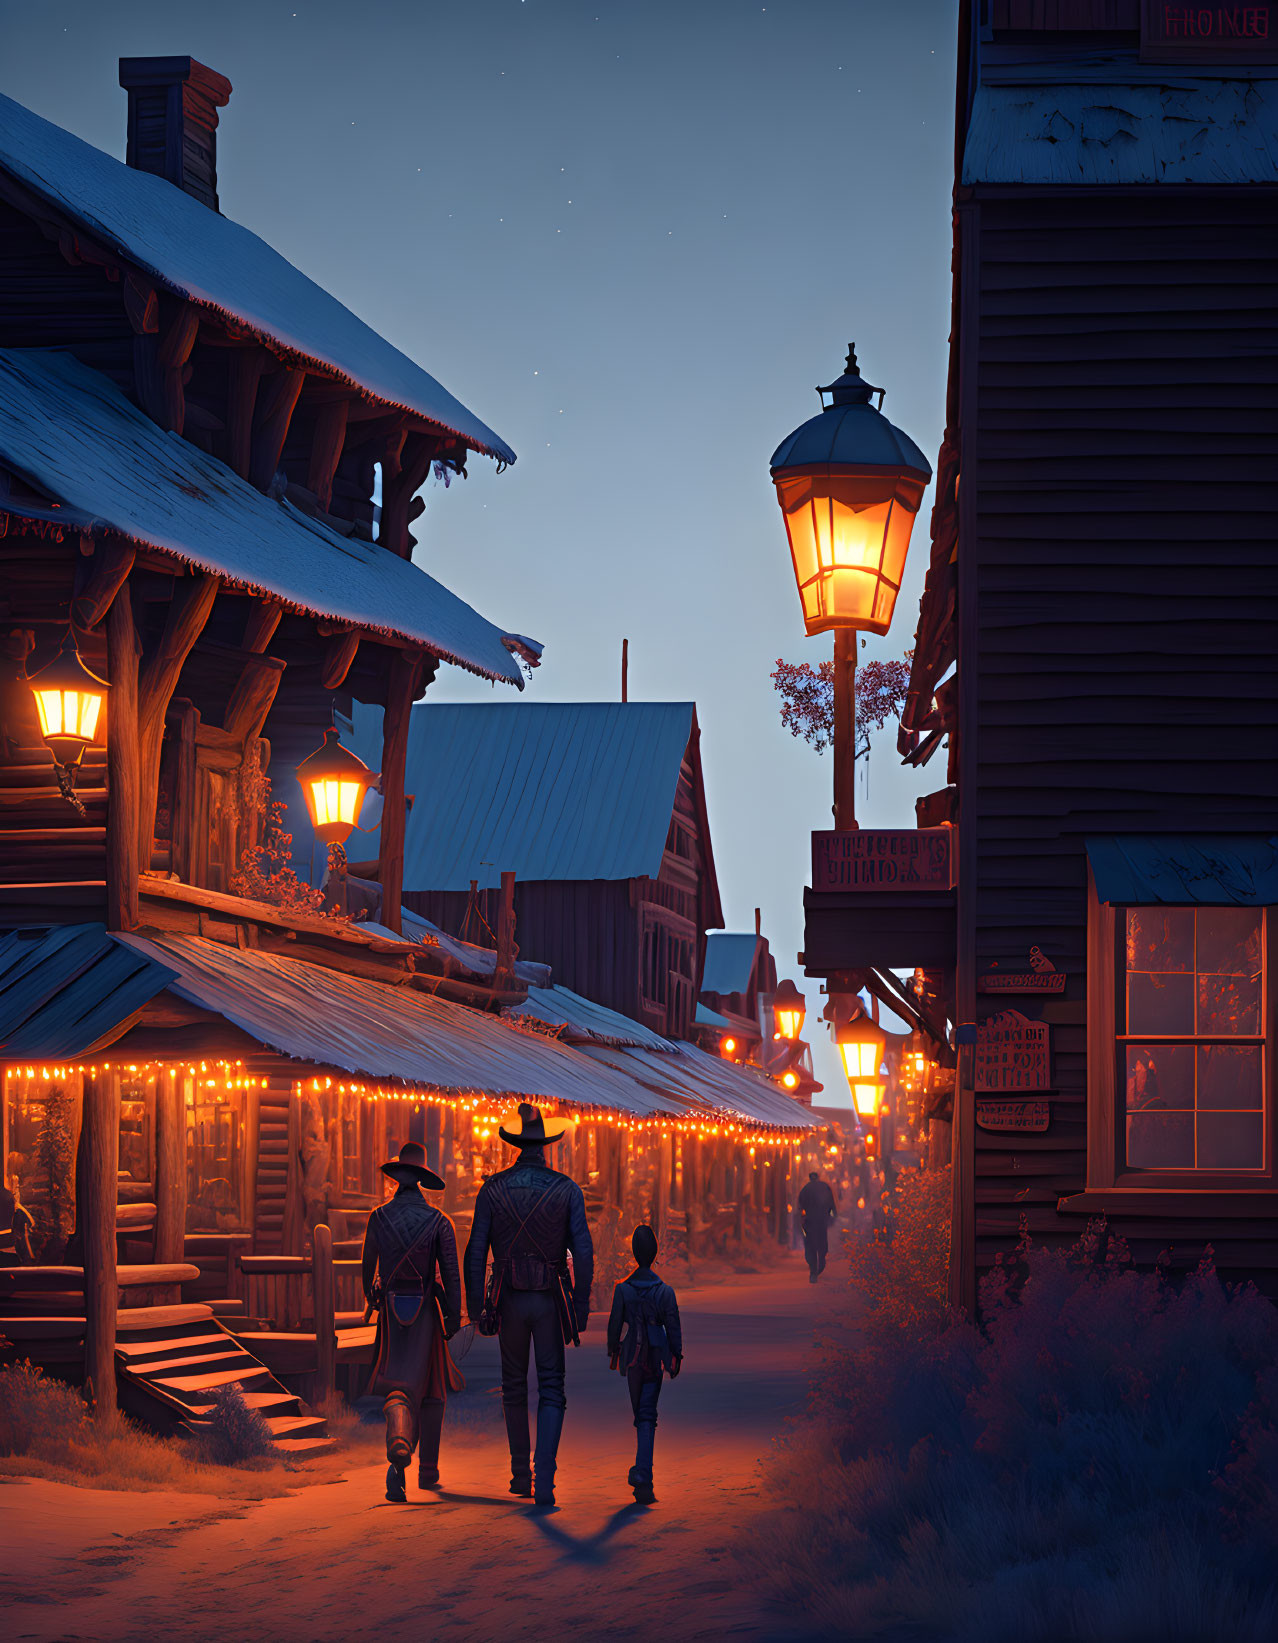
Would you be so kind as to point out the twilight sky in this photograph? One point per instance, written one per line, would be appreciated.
(631, 235)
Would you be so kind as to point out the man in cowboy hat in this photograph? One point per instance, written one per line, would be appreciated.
(531, 1216)
(407, 1242)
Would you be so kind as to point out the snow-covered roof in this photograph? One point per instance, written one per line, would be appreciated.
(207, 258)
(71, 433)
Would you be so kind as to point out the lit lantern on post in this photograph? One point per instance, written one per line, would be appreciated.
(334, 782)
(849, 484)
(861, 1044)
(69, 701)
(728, 1048)
(788, 1010)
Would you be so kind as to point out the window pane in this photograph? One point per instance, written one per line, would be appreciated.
(1227, 1005)
(1161, 1140)
(1160, 938)
(1229, 1076)
(1231, 1140)
(1160, 1004)
(1229, 941)
(1160, 1077)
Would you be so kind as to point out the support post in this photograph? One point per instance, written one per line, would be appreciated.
(407, 673)
(192, 603)
(123, 770)
(504, 969)
(170, 1170)
(325, 1320)
(95, 1217)
(845, 643)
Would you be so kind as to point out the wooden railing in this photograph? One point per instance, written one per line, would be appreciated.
(292, 1290)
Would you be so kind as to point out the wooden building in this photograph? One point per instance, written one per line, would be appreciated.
(1096, 639)
(599, 810)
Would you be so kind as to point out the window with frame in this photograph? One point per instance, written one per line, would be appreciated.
(1192, 1049)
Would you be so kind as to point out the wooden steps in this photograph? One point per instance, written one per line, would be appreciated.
(168, 1367)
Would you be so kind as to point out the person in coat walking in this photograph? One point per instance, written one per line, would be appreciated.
(645, 1342)
(818, 1209)
(531, 1218)
(411, 1279)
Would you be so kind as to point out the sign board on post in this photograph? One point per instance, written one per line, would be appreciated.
(1012, 1053)
(906, 858)
(1173, 32)
(1019, 1117)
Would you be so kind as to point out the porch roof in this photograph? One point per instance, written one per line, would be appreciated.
(586, 1022)
(706, 1085)
(66, 990)
(1227, 869)
(396, 1034)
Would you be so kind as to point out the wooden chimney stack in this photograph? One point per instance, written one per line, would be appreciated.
(173, 104)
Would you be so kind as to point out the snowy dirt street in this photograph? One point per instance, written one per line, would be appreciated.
(336, 1561)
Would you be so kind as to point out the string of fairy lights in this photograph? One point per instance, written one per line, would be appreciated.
(220, 1078)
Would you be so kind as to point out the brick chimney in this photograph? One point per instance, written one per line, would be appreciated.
(173, 104)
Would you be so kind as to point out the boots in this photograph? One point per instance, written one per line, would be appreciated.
(550, 1423)
(520, 1450)
(432, 1425)
(640, 1478)
(401, 1437)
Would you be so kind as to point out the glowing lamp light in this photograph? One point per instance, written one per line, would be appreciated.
(861, 1045)
(849, 484)
(728, 1046)
(334, 782)
(790, 1080)
(68, 700)
(788, 1010)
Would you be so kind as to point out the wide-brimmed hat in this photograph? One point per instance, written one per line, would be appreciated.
(410, 1168)
(534, 1130)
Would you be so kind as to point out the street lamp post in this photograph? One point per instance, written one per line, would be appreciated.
(849, 485)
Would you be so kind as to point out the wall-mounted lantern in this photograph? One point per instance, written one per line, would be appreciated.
(334, 782)
(788, 1010)
(69, 699)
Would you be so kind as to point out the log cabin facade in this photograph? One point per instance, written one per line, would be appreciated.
(1096, 643)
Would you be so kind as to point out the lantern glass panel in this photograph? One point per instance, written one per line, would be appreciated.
(849, 534)
(789, 1022)
(861, 1060)
(73, 713)
(867, 1098)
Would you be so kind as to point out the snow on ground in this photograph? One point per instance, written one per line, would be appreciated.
(337, 1562)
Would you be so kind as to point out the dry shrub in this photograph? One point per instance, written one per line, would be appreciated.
(1099, 1462)
(46, 1431)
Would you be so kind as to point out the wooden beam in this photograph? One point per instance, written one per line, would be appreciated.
(189, 611)
(504, 970)
(173, 350)
(244, 375)
(170, 1168)
(398, 490)
(122, 765)
(252, 697)
(112, 563)
(270, 424)
(141, 303)
(338, 659)
(263, 619)
(184, 819)
(322, 1295)
(326, 449)
(407, 676)
(95, 1221)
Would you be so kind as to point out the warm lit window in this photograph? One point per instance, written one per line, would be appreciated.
(1191, 1016)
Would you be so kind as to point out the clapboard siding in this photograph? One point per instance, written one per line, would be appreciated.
(1127, 600)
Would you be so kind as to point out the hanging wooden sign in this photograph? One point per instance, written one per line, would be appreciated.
(1177, 33)
(1023, 1116)
(1040, 976)
(1012, 1053)
(880, 858)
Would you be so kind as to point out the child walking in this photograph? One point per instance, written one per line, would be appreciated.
(644, 1341)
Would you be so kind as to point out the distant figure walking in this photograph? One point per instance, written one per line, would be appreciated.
(531, 1217)
(818, 1209)
(407, 1243)
(644, 1342)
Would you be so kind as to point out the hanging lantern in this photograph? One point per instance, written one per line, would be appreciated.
(69, 702)
(727, 1048)
(334, 782)
(849, 484)
(861, 1044)
(788, 1010)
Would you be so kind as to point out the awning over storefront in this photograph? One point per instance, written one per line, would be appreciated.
(1140, 869)
(70, 989)
(397, 1034)
(585, 1022)
(705, 1085)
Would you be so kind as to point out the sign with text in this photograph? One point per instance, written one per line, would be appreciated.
(1038, 976)
(1176, 33)
(1012, 1053)
(876, 858)
(1026, 1117)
